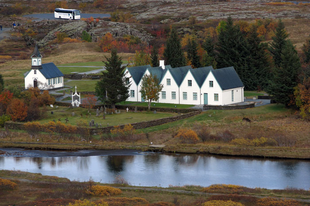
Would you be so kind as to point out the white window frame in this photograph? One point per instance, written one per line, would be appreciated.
(184, 95)
(211, 83)
(216, 97)
(189, 83)
(195, 96)
(173, 95)
(163, 94)
(232, 96)
(132, 93)
(168, 82)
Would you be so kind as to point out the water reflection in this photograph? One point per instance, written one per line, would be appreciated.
(153, 169)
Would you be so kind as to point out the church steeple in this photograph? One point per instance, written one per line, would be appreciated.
(36, 58)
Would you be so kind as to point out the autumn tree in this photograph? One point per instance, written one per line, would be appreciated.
(17, 110)
(302, 98)
(5, 99)
(173, 53)
(89, 101)
(112, 88)
(46, 98)
(33, 112)
(150, 88)
(141, 58)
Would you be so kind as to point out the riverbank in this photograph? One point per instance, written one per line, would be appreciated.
(215, 149)
(27, 189)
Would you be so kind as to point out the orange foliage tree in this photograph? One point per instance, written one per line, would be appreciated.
(302, 98)
(5, 99)
(17, 110)
(89, 101)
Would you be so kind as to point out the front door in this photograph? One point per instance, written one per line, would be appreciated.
(205, 98)
(35, 83)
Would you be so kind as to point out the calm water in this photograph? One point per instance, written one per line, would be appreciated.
(153, 169)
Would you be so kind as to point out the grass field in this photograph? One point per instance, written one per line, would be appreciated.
(83, 85)
(110, 120)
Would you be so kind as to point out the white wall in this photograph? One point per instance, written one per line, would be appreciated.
(42, 81)
(238, 96)
(133, 86)
(216, 89)
(190, 90)
(173, 87)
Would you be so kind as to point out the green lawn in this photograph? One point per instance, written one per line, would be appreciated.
(110, 120)
(83, 85)
(162, 105)
(252, 94)
(69, 70)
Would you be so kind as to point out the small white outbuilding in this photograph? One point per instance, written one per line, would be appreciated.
(43, 76)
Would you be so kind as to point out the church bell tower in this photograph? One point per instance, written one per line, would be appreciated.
(36, 59)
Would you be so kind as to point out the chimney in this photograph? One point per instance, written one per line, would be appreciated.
(162, 63)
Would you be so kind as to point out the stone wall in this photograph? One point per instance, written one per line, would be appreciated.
(138, 125)
(227, 107)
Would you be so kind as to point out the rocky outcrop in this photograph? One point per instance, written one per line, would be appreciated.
(73, 29)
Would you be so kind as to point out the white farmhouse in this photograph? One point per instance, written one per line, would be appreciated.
(185, 85)
(43, 76)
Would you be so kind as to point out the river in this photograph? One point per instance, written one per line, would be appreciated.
(156, 169)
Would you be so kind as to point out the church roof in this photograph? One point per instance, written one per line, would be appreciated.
(36, 52)
(50, 70)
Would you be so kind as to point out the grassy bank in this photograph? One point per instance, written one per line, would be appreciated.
(23, 188)
(273, 132)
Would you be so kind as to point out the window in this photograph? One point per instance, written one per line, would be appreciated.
(189, 83)
(173, 95)
(184, 95)
(56, 80)
(163, 94)
(210, 83)
(60, 79)
(127, 81)
(194, 95)
(49, 82)
(53, 80)
(216, 97)
(35, 71)
(232, 95)
(168, 82)
(132, 93)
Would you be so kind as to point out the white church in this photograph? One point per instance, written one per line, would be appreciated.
(185, 85)
(43, 76)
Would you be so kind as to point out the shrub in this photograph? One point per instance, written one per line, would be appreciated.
(263, 141)
(276, 202)
(221, 203)
(162, 204)
(223, 187)
(204, 134)
(86, 36)
(33, 128)
(226, 136)
(187, 136)
(3, 119)
(125, 201)
(87, 203)
(123, 134)
(7, 184)
(98, 190)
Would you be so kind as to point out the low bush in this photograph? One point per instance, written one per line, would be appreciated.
(125, 201)
(7, 184)
(127, 133)
(263, 141)
(98, 190)
(162, 204)
(187, 136)
(277, 202)
(87, 203)
(222, 203)
(223, 187)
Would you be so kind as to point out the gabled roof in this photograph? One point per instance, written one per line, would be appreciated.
(179, 73)
(156, 71)
(227, 78)
(200, 74)
(49, 70)
(137, 72)
(36, 52)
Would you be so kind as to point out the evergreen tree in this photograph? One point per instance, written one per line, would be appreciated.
(1, 83)
(259, 74)
(86, 36)
(189, 51)
(194, 55)
(209, 46)
(306, 50)
(112, 88)
(278, 42)
(154, 57)
(173, 53)
(286, 75)
(232, 50)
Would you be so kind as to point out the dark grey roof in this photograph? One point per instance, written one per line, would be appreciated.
(49, 70)
(137, 72)
(36, 52)
(179, 73)
(200, 74)
(227, 78)
(157, 71)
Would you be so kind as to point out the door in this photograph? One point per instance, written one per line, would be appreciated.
(205, 98)
(35, 83)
